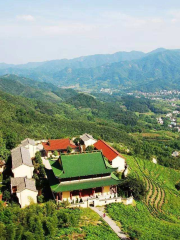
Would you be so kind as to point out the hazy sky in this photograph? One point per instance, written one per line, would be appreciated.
(39, 30)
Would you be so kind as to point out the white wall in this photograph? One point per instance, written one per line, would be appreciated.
(89, 142)
(119, 162)
(23, 171)
(32, 150)
(2, 169)
(26, 196)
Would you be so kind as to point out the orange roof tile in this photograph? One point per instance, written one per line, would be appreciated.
(58, 144)
(109, 152)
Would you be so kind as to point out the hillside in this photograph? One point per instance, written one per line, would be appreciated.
(50, 221)
(21, 117)
(157, 216)
(50, 112)
(160, 69)
(153, 71)
(44, 71)
(29, 88)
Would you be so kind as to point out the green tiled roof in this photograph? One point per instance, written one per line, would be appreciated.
(86, 184)
(78, 165)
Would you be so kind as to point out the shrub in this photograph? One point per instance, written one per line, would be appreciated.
(69, 149)
(177, 186)
(55, 153)
(40, 199)
(133, 186)
(90, 148)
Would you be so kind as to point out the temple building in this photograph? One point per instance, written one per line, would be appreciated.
(30, 145)
(88, 140)
(114, 157)
(22, 165)
(82, 176)
(25, 190)
(59, 145)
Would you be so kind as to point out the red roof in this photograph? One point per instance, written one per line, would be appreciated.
(58, 144)
(109, 152)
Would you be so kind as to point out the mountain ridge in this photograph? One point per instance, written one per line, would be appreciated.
(123, 70)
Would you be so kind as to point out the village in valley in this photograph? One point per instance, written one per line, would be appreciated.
(82, 172)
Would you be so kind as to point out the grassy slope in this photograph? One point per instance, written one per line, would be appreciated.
(90, 227)
(158, 215)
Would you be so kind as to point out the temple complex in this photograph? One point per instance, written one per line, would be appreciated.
(79, 176)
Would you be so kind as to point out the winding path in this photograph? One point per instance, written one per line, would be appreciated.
(111, 223)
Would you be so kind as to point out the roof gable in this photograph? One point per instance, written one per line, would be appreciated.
(109, 152)
(86, 137)
(27, 141)
(77, 165)
(20, 155)
(58, 144)
(23, 183)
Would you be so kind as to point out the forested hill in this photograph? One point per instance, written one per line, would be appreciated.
(159, 70)
(29, 88)
(22, 117)
(45, 70)
(153, 71)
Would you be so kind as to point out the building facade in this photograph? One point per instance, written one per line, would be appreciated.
(30, 145)
(87, 139)
(21, 162)
(81, 176)
(59, 145)
(113, 156)
(25, 190)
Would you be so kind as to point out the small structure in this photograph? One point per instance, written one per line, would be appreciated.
(154, 160)
(59, 145)
(25, 190)
(21, 162)
(29, 144)
(2, 166)
(173, 123)
(175, 154)
(82, 177)
(176, 112)
(160, 121)
(88, 140)
(169, 115)
(178, 129)
(113, 156)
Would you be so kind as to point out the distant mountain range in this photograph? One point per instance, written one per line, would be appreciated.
(156, 70)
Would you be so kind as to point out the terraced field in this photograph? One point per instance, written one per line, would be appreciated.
(162, 199)
(158, 215)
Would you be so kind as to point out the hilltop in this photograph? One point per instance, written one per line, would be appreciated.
(153, 71)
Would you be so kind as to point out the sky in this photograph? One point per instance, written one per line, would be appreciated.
(41, 30)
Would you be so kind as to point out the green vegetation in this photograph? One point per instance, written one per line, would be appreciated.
(112, 119)
(132, 186)
(51, 221)
(39, 173)
(157, 215)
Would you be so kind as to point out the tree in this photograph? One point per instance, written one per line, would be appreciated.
(133, 186)
(69, 149)
(6, 195)
(55, 153)
(77, 141)
(90, 148)
(40, 199)
(11, 140)
(178, 186)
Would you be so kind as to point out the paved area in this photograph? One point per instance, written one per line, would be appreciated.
(111, 223)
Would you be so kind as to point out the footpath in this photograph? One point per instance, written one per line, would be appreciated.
(111, 223)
